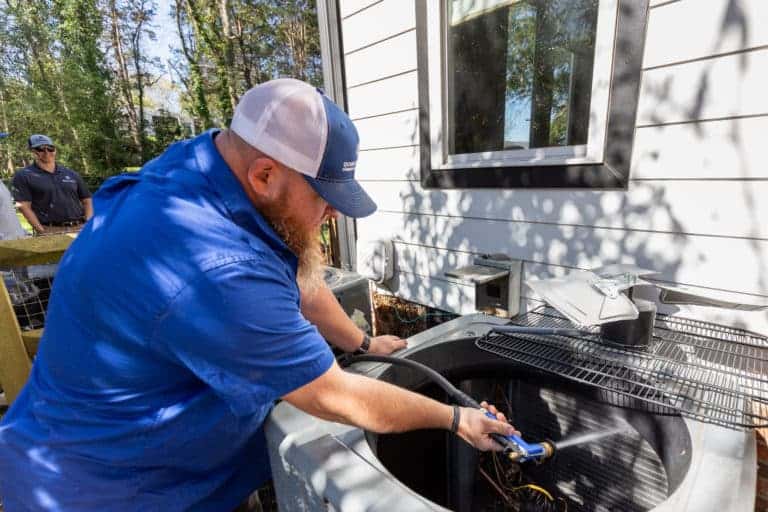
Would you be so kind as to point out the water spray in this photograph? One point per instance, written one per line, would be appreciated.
(518, 450)
(589, 437)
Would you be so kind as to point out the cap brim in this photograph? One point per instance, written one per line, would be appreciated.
(348, 197)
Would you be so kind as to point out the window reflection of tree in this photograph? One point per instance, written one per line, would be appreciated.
(547, 48)
(562, 71)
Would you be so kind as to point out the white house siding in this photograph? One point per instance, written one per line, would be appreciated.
(697, 203)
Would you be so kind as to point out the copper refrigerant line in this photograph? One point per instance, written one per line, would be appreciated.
(515, 494)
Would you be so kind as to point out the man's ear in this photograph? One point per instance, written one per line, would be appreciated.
(262, 177)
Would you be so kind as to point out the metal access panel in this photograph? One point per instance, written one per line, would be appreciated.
(352, 292)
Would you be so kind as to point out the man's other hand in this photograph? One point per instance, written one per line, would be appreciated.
(386, 344)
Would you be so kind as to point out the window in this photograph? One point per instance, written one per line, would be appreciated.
(537, 93)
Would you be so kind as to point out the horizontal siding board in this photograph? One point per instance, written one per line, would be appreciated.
(730, 149)
(722, 87)
(430, 261)
(384, 96)
(718, 27)
(723, 263)
(387, 58)
(534, 270)
(378, 22)
(728, 208)
(347, 7)
(394, 130)
(434, 261)
(434, 292)
(726, 149)
(388, 164)
(654, 3)
(419, 268)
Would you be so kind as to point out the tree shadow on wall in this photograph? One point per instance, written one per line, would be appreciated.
(554, 231)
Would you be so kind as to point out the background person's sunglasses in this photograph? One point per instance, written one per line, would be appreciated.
(49, 149)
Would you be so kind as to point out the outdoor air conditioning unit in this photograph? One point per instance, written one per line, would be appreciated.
(662, 462)
(351, 290)
(643, 411)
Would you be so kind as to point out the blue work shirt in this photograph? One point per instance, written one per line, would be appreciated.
(173, 326)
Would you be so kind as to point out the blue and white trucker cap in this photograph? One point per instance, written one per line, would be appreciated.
(297, 125)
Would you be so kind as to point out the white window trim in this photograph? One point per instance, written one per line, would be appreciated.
(591, 153)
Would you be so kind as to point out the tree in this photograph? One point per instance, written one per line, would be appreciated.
(84, 82)
(208, 21)
(230, 45)
(298, 34)
(37, 24)
(130, 28)
(81, 71)
(55, 80)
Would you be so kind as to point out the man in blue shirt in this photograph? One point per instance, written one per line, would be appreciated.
(189, 304)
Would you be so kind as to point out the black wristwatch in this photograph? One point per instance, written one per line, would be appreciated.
(365, 346)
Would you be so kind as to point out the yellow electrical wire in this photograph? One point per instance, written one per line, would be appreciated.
(535, 488)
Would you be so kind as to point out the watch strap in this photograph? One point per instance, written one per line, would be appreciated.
(365, 346)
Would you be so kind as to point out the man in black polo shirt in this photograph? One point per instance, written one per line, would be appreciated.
(52, 197)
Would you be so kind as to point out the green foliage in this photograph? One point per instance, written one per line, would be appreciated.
(228, 46)
(80, 72)
(56, 82)
(166, 130)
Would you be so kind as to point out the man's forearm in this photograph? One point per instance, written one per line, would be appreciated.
(322, 309)
(373, 405)
(405, 410)
(380, 407)
(88, 207)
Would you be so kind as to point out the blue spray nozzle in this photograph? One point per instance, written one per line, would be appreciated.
(518, 450)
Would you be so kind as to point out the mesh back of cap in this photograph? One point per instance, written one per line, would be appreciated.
(285, 119)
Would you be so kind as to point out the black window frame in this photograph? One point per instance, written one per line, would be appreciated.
(612, 173)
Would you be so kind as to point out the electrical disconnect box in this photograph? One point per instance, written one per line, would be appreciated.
(376, 260)
(497, 280)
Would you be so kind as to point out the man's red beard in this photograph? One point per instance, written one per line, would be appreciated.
(302, 240)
